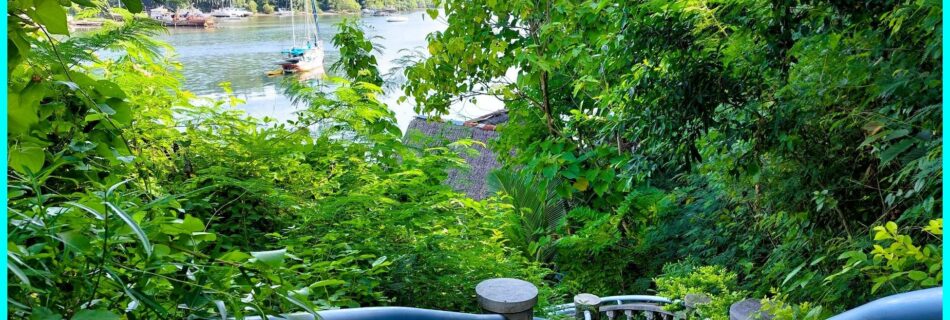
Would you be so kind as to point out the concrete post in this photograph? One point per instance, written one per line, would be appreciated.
(748, 309)
(586, 307)
(512, 298)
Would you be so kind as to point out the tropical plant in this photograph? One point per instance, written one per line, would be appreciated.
(536, 211)
(779, 131)
(132, 198)
(716, 283)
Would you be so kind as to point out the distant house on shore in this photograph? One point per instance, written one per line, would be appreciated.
(472, 182)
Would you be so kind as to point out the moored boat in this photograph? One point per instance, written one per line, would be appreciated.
(384, 12)
(189, 17)
(230, 12)
(303, 59)
(397, 19)
(308, 59)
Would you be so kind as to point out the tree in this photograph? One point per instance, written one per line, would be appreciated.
(739, 109)
(344, 5)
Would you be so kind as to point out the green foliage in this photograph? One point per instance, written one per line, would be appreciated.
(535, 211)
(397, 4)
(252, 6)
(358, 62)
(766, 136)
(896, 262)
(344, 5)
(773, 133)
(131, 198)
(267, 8)
(781, 310)
(720, 285)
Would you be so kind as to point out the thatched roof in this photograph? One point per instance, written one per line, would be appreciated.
(472, 181)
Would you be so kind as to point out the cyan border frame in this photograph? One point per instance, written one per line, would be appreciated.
(3, 190)
(946, 313)
(5, 108)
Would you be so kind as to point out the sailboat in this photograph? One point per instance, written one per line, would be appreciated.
(308, 58)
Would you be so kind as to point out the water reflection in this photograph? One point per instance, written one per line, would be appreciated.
(242, 51)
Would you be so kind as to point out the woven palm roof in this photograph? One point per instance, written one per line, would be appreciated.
(471, 181)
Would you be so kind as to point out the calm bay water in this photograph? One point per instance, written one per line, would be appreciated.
(242, 51)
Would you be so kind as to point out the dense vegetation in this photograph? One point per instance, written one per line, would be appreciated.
(795, 143)
(738, 148)
(131, 197)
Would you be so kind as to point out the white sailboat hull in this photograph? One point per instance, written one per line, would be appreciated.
(311, 60)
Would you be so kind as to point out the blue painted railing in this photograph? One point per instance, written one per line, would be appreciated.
(923, 304)
(385, 313)
(915, 305)
(568, 308)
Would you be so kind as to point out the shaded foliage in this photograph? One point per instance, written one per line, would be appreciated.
(766, 136)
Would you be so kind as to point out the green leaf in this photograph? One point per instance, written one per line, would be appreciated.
(43, 313)
(222, 310)
(147, 300)
(328, 282)
(95, 315)
(52, 15)
(895, 150)
(891, 227)
(379, 261)
(793, 273)
(273, 258)
(27, 159)
(235, 256)
(75, 240)
(134, 6)
(18, 273)
(301, 304)
(23, 110)
(917, 275)
(433, 13)
(135, 227)
(84, 3)
(192, 224)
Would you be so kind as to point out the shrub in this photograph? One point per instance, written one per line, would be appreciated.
(681, 279)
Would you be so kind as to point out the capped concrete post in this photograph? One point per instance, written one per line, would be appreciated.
(586, 307)
(748, 309)
(512, 298)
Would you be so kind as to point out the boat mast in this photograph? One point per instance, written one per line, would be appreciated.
(293, 25)
(316, 37)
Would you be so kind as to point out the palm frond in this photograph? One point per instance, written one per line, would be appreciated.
(538, 211)
(133, 36)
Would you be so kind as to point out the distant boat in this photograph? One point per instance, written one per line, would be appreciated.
(230, 12)
(384, 12)
(283, 12)
(189, 17)
(158, 13)
(397, 19)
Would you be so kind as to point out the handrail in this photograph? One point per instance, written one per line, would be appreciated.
(923, 304)
(568, 308)
(915, 305)
(388, 313)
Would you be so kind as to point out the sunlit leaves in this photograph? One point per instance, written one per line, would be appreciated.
(273, 258)
(52, 15)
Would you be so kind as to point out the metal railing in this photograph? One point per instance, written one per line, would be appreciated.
(387, 313)
(915, 305)
(512, 299)
(568, 308)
